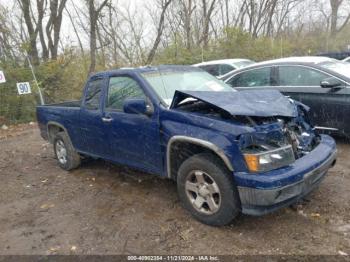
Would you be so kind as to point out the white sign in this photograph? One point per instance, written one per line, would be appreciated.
(2, 77)
(23, 88)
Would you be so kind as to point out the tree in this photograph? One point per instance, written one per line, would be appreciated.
(207, 9)
(164, 5)
(54, 25)
(34, 23)
(9, 38)
(335, 5)
(32, 31)
(188, 9)
(94, 13)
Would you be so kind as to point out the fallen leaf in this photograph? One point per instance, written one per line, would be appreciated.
(186, 234)
(315, 215)
(342, 253)
(301, 212)
(45, 206)
(54, 249)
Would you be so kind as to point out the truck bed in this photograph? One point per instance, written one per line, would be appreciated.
(65, 114)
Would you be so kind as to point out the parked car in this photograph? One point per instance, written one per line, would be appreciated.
(221, 67)
(321, 83)
(336, 55)
(347, 59)
(228, 151)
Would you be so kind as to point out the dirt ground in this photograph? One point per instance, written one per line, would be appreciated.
(101, 208)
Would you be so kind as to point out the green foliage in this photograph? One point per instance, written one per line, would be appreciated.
(62, 80)
(236, 43)
(59, 80)
(13, 107)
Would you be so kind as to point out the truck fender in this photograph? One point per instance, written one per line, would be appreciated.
(55, 124)
(206, 144)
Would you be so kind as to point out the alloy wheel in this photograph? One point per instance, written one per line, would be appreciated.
(203, 192)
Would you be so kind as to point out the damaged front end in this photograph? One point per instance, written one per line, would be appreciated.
(282, 132)
(282, 157)
(277, 141)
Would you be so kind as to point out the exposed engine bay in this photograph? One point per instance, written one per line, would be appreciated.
(277, 132)
(271, 132)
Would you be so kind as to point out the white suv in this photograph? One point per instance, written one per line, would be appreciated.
(221, 67)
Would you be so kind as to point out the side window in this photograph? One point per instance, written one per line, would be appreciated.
(224, 69)
(299, 76)
(121, 88)
(93, 92)
(211, 69)
(252, 78)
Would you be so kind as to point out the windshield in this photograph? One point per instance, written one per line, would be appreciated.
(165, 83)
(338, 67)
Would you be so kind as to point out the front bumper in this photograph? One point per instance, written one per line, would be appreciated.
(264, 193)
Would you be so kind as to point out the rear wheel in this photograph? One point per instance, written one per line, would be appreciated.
(65, 153)
(207, 190)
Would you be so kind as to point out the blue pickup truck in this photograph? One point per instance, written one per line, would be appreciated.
(229, 152)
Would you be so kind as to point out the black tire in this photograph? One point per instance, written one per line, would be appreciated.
(213, 169)
(72, 157)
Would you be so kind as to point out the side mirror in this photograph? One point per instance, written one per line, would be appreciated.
(137, 106)
(331, 82)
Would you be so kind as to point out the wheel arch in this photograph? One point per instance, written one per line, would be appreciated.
(198, 144)
(53, 128)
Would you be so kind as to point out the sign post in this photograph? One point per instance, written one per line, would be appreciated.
(2, 77)
(36, 82)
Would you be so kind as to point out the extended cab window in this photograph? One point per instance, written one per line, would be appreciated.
(252, 78)
(121, 88)
(300, 76)
(93, 92)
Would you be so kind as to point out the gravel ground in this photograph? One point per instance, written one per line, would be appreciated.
(101, 208)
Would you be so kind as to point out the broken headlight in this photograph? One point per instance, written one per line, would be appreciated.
(269, 160)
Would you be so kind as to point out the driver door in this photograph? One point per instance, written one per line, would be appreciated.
(134, 139)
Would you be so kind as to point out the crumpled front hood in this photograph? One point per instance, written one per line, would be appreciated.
(261, 103)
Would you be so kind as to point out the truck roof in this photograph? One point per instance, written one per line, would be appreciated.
(145, 69)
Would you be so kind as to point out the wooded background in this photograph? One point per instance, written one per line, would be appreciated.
(66, 40)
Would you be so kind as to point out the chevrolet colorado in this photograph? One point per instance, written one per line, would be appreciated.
(229, 152)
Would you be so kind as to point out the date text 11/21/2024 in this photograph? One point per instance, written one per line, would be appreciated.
(173, 258)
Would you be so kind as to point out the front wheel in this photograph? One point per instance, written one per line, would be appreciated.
(207, 189)
(65, 153)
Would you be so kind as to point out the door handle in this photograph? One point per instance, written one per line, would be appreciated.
(107, 119)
